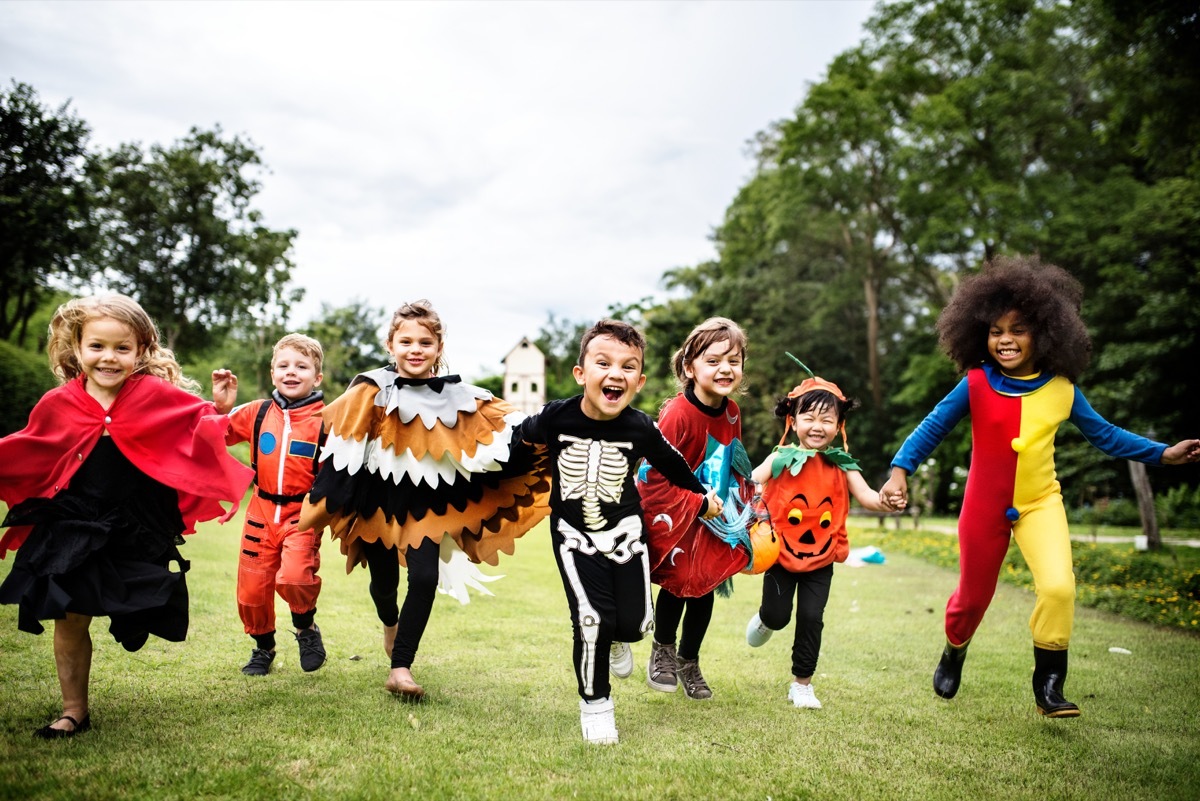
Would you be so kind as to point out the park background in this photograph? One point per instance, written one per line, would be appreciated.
(945, 134)
(951, 132)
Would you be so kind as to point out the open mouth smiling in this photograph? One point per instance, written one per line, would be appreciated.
(612, 393)
(808, 539)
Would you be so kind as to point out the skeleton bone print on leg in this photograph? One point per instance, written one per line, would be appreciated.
(624, 544)
(594, 471)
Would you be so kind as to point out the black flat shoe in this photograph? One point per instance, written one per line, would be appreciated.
(48, 733)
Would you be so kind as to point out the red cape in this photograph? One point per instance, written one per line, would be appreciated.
(170, 435)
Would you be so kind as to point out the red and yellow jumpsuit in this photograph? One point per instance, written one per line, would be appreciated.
(276, 556)
(1012, 488)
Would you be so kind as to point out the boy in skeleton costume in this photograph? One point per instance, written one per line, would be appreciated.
(594, 442)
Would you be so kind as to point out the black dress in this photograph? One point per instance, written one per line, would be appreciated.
(102, 547)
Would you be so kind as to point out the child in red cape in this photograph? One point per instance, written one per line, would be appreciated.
(114, 465)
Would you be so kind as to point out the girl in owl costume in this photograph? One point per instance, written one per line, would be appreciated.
(418, 470)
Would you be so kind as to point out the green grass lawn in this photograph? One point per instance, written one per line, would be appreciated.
(501, 720)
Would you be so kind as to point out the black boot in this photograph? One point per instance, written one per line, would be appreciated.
(948, 674)
(1049, 677)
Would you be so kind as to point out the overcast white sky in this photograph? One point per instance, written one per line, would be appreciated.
(505, 160)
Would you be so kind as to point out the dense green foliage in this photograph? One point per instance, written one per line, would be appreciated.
(179, 234)
(44, 203)
(23, 379)
(956, 131)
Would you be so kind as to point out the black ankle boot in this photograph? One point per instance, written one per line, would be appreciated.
(1049, 677)
(948, 674)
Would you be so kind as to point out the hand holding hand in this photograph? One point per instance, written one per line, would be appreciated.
(894, 501)
(714, 506)
(1184, 452)
(894, 492)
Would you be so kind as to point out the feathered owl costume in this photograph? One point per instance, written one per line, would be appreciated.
(409, 459)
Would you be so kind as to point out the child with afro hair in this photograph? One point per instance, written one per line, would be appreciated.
(1015, 331)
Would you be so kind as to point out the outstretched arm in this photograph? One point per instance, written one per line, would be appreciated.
(224, 390)
(1184, 452)
(868, 498)
(762, 473)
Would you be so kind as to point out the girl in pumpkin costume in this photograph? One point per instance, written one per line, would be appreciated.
(807, 489)
(1015, 331)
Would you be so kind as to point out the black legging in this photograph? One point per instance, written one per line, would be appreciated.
(668, 611)
(812, 593)
(384, 566)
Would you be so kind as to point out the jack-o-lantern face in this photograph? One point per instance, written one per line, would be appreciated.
(764, 543)
(806, 533)
(808, 512)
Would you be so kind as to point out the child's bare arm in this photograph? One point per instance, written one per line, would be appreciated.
(762, 473)
(1184, 452)
(224, 390)
(868, 498)
(894, 492)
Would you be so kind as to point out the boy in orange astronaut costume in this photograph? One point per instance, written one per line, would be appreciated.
(285, 434)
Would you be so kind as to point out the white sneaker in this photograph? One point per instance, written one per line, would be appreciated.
(620, 660)
(802, 696)
(756, 632)
(598, 721)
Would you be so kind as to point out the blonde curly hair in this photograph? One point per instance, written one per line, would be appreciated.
(66, 331)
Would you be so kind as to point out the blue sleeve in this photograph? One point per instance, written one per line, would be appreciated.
(1113, 440)
(934, 428)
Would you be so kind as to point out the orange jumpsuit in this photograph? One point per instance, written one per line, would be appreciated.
(276, 556)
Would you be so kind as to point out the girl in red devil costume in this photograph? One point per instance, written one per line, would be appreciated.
(114, 465)
(691, 557)
(1015, 331)
(807, 489)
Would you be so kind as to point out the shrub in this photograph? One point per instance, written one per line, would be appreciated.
(1156, 587)
(1106, 512)
(24, 378)
(1179, 507)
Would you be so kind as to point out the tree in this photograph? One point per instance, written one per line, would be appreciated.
(43, 203)
(559, 339)
(352, 337)
(959, 130)
(178, 233)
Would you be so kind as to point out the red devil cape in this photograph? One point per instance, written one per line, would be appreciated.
(686, 558)
(170, 435)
